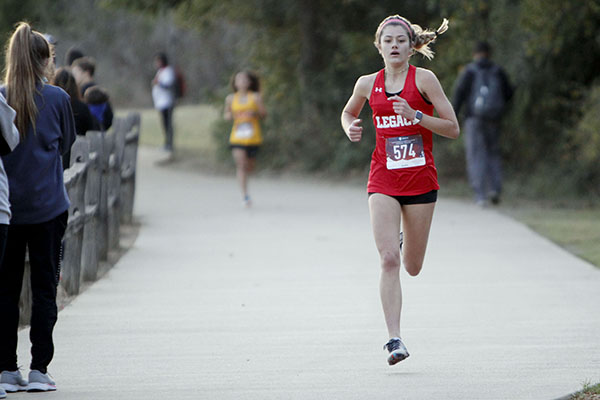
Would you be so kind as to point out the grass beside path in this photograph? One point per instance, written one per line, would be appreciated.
(577, 229)
(192, 125)
(589, 392)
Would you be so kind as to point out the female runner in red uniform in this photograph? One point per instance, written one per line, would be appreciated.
(403, 179)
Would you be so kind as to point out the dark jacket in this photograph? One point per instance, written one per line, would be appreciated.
(84, 121)
(34, 168)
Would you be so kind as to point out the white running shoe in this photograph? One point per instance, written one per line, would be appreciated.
(39, 382)
(12, 381)
(397, 351)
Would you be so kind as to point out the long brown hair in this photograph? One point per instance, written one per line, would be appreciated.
(64, 78)
(27, 56)
(254, 85)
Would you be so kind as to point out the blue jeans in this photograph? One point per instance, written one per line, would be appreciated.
(484, 163)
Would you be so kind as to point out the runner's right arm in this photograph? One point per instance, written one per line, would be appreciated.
(227, 114)
(350, 121)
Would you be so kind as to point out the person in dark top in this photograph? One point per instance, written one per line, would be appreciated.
(485, 90)
(98, 103)
(83, 70)
(39, 204)
(84, 121)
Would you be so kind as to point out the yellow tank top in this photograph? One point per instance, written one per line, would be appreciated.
(246, 128)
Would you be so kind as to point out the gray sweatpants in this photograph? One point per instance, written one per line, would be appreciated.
(484, 164)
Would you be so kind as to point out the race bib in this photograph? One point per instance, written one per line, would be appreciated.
(404, 152)
(244, 130)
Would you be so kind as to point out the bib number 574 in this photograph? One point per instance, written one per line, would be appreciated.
(404, 152)
(401, 151)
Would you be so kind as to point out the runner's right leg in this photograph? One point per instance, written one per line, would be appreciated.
(385, 220)
(241, 166)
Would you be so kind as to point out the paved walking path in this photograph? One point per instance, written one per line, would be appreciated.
(281, 302)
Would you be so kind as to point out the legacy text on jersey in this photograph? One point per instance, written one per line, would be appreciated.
(392, 121)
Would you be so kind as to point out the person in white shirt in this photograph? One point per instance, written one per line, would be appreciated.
(163, 95)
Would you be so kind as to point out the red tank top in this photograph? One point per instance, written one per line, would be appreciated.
(402, 163)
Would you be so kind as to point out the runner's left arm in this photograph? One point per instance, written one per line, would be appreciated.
(262, 111)
(427, 83)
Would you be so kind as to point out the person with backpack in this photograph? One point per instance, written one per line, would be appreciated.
(485, 90)
(164, 93)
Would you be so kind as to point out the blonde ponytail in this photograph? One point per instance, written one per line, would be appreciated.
(27, 57)
(424, 37)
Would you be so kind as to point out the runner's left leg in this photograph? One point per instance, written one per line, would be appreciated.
(385, 220)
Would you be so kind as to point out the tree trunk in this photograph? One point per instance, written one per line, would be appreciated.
(309, 66)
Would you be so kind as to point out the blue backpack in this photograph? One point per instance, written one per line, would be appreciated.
(487, 96)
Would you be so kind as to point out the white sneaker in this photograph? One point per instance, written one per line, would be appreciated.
(12, 381)
(2, 393)
(39, 382)
(397, 351)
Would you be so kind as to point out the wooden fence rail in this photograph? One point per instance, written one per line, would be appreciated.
(101, 186)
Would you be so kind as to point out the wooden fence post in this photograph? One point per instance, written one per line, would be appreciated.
(117, 140)
(103, 204)
(91, 230)
(128, 166)
(75, 182)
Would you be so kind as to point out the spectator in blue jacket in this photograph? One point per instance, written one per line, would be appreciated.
(39, 204)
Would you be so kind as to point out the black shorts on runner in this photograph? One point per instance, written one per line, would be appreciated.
(425, 198)
(251, 151)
